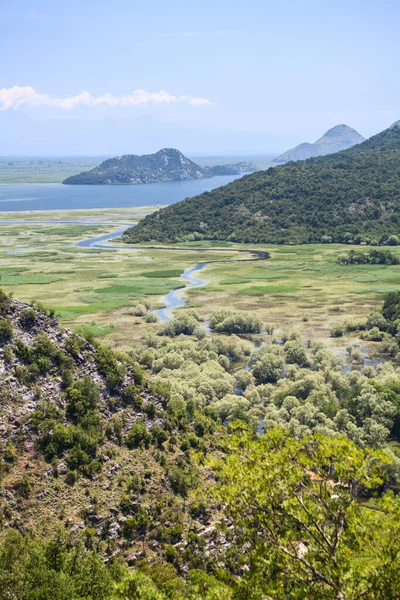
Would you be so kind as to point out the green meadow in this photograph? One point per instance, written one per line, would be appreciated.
(300, 287)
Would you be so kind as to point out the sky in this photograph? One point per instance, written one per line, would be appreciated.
(293, 68)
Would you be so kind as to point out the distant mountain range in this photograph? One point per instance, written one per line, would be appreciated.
(336, 139)
(353, 194)
(167, 164)
(23, 136)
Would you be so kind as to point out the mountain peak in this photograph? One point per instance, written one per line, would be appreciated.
(339, 130)
(340, 137)
(168, 164)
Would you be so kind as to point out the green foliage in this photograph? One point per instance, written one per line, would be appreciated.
(5, 302)
(110, 368)
(10, 453)
(140, 310)
(228, 322)
(136, 586)
(373, 257)
(82, 397)
(296, 353)
(182, 478)
(51, 570)
(269, 365)
(319, 199)
(6, 330)
(135, 525)
(184, 323)
(314, 540)
(28, 318)
(74, 344)
(337, 330)
(391, 307)
(131, 396)
(138, 436)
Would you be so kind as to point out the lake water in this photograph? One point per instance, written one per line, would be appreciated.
(65, 197)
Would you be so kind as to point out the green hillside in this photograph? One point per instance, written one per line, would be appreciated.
(355, 192)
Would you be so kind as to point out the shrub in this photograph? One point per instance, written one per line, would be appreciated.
(269, 328)
(151, 317)
(5, 302)
(200, 333)
(377, 320)
(138, 436)
(10, 453)
(82, 397)
(184, 323)
(67, 378)
(24, 376)
(74, 344)
(181, 480)
(131, 396)
(6, 330)
(135, 524)
(150, 410)
(393, 240)
(353, 325)
(227, 322)
(269, 368)
(337, 330)
(296, 353)
(71, 477)
(171, 554)
(28, 318)
(140, 310)
(373, 335)
(110, 368)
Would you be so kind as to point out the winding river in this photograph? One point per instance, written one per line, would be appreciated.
(172, 299)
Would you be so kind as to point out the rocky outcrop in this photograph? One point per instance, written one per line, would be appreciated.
(166, 165)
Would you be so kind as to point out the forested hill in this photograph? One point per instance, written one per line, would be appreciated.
(167, 164)
(355, 192)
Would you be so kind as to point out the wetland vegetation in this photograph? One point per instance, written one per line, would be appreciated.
(283, 347)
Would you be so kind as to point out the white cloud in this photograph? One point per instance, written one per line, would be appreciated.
(27, 96)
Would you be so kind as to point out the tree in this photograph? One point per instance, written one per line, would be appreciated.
(393, 240)
(228, 322)
(136, 586)
(268, 368)
(296, 353)
(302, 532)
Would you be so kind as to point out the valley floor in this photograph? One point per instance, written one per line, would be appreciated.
(301, 287)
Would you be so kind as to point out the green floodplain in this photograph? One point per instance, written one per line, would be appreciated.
(299, 286)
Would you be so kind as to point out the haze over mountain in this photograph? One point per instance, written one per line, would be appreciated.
(21, 135)
(335, 139)
(352, 193)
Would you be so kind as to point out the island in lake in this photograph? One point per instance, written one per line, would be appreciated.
(167, 164)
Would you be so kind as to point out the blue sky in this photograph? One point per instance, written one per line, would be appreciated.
(296, 67)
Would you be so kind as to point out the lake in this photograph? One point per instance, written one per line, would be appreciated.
(23, 197)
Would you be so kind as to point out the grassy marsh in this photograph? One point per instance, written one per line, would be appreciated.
(300, 287)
